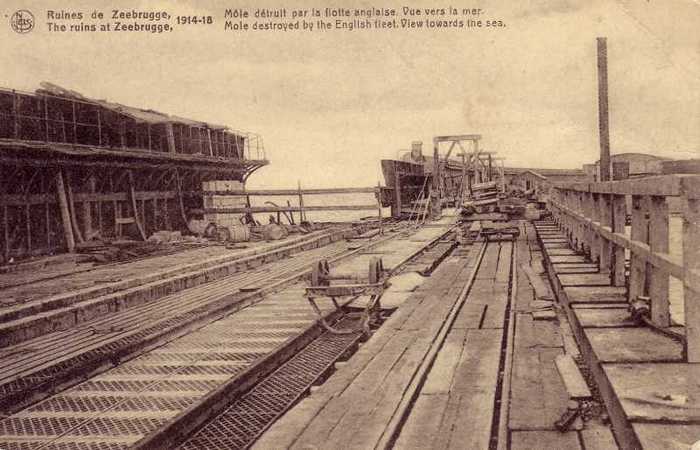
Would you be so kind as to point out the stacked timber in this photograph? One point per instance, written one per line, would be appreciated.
(484, 198)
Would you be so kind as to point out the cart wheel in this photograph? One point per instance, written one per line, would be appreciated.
(319, 274)
(375, 270)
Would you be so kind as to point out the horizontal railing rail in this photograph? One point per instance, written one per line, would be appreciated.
(286, 192)
(593, 217)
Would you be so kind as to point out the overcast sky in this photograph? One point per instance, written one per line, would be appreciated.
(331, 105)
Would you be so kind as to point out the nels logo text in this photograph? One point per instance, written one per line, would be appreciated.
(22, 21)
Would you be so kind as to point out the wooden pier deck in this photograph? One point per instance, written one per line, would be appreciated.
(464, 363)
(182, 368)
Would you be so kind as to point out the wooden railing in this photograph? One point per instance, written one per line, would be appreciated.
(301, 208)
(593, 217)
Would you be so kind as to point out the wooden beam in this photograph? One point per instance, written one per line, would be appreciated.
(619, 217)
(691, 268)
(639, 233)
(573, 380)
(605, 205)
(65, 213)
(72, 211)
(289, 192)
(87, 206)
(46, 120)
(458, 137)
(134, 205)
(664, 185)
(659, 243)
(274, 209)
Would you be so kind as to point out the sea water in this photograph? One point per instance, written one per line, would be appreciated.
(321, 200)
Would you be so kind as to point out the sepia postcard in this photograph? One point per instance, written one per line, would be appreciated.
(349, 224)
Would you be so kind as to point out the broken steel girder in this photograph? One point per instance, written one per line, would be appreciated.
(373, 286)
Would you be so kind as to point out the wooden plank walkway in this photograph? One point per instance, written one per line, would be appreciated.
(355, 406)
(457, 403)
(640, 374)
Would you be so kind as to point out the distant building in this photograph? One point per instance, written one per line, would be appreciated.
(629, 165)
(541, 180)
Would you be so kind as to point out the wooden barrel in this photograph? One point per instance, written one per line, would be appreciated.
(240, 233)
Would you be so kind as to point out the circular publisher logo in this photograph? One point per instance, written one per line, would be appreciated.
(22, 21)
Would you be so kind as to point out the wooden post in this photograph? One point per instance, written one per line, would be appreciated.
(47, 211)
(658, 243)
(436, 206)
(379, 207)
(462, 186)
(122, 132)
(603, 119)
(46, 118)
(87, 207)
(573, 204)
(115, 205)
(690, 196)
(595, 239)
(606, 220)
(170, 136)
(75, 128)
(211, 148)
(15, 112)
(65, 212)
(99, 128)
(619, 216)
(302, 216)
(134, 206)
(71, 210)
(639, 233)
(180, 199)
(579, 207)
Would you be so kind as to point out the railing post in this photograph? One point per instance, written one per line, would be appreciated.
(578, 230)
(619, 216)
(658, 243)
(596, 239)
(379, 208)
(302, 216)
(588, 230)
(639, 233)
(605, 208)
(573, 224)
(690, 197)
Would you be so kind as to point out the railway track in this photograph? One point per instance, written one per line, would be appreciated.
(139, 378)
